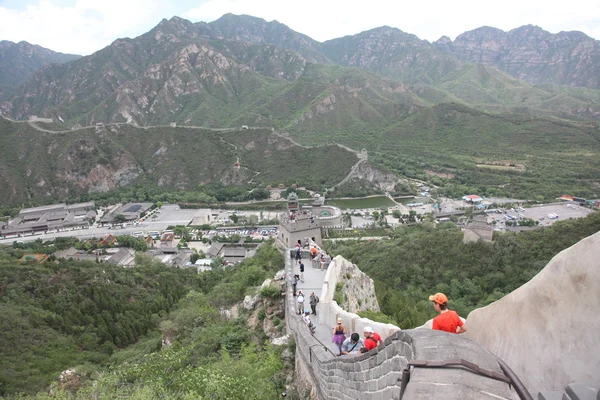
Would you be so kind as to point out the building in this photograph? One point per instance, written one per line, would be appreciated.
(51, 217)
(297, 225)
(215, 250)
(478, 229)
(172, 256)
(130, 212)
(234, 255)
(124, 257)
(472, 198)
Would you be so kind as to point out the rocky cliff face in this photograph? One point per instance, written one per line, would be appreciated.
(532, 54)
(358, 289)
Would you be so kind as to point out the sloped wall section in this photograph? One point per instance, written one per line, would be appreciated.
(547, 330)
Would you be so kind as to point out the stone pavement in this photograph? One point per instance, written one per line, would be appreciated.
(313, 282)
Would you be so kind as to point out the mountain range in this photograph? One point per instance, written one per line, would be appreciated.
(378, 90)
(18, 61)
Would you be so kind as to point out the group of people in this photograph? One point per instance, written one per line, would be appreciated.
(313, 300)
(447, 321)
(354, 344)
(319, 258)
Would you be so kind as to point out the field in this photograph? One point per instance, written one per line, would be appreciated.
(368, 202)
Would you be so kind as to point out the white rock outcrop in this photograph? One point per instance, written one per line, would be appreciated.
(547, 330)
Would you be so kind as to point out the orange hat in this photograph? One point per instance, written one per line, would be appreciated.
(439, 298)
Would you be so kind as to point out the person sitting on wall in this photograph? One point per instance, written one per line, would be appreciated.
(308, 322)
(313, 252)
(372, 339)
(353, 344)
(448, 320)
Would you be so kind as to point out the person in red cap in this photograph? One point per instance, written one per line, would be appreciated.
(448, 320)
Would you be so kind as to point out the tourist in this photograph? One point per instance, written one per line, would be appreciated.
(308, 322)
(300, 302)
(313, 300)
(448, 320)
(301, 265)
(322, 261)
(339, 335)
(353, 344)
(298, 254)
(372, 339)
(295, 279)
(313, 252)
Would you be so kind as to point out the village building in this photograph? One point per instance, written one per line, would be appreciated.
(51, 217)
(130, 212)
(478, 229)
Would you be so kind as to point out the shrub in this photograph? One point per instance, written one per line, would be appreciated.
(270, 292)
(262, 314)
(338, 295)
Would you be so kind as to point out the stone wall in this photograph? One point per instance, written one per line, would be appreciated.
(546, 330)
(375, 375)
(328, 310)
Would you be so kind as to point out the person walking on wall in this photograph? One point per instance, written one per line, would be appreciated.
(339, 335)
(353, 344)
(314, 300)
(294, 283)
(448, 320)
(372, 339)
(301, 265)
(322, 259)
(300, 302)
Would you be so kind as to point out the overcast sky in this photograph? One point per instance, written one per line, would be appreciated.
(85, 26)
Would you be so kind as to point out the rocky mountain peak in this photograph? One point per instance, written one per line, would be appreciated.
(176, 26)
(532, 54)
(444, 40)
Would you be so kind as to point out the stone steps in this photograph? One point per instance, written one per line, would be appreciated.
(573, 391)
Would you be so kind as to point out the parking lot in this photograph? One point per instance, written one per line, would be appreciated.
(540, 213)
(564, 211)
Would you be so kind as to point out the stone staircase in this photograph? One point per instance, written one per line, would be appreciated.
(574, 391)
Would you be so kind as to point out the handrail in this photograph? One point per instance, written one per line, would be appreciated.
(507, 377)
(322, 344)
(516, 382)
(460, 363)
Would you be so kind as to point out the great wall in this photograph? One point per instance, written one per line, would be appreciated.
(537, 342)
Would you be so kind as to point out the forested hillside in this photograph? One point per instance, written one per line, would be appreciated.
(90, 316)
(424, 259)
